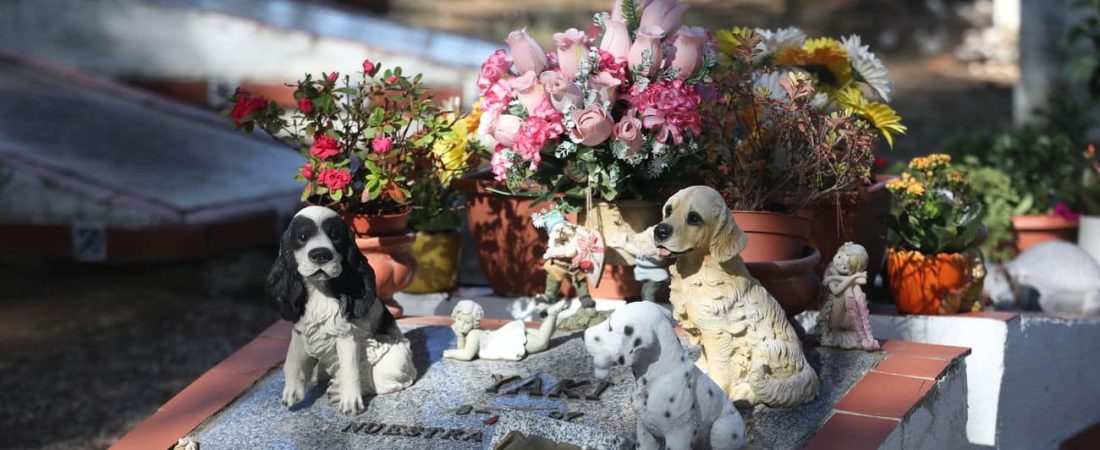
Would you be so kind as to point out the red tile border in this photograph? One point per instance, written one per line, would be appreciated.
(885, 395)
(911, 366)
(851, 432)
(918, 350)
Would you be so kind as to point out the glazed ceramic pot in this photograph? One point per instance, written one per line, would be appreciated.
(1031, 229)
(792, 282)
(851, 216)
(394, 267)
(931, 284)
(509, 247)
(773, 236)
(1089, 236)
(436, 254)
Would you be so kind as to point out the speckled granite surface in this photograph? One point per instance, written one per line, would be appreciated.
(451, 407)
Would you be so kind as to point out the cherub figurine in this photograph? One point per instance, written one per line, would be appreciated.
(649, 267)
(573, 252)
(509, 343)
(843, 320)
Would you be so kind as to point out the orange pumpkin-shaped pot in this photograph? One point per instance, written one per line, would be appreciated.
(943, 283)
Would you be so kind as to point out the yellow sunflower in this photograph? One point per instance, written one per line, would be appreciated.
(452, 150)
(825, 57)
(880, 115)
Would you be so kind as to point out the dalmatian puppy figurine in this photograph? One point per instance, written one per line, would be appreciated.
(676, 405)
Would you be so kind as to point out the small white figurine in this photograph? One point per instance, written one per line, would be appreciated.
(511, 342)
(323, 284)
(843, 321)
(649, 267)
(1060, 278)
(573, 252)
(749, 347)
(674, 402)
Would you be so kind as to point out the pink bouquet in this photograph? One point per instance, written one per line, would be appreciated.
(606, 113)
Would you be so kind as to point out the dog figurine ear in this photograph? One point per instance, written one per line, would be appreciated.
(356, 284)
(727, 239)
(284, 285)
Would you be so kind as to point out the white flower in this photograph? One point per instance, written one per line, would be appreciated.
(768, 85)
(870, 68)
(773, 41)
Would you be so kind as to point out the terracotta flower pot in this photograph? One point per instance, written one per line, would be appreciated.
(393, 264)
(931, 284)
(1031, 229)
(792, 282)
(851, 216)
(366, 226)
(437, 256)
(773, 236)
(509, 247)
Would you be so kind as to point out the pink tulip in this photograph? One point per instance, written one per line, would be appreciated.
(689, 49)
(629, 132)
(666, 14)
(572, 47)
(616, 39)
(593, 126)
(563, 91)
(528, 90)
(606, 84)
(648, 38)
(527, 55)
(504, 129)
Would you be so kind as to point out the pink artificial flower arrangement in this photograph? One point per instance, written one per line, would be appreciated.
(605, 112)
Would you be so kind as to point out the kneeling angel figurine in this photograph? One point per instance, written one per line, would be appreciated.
(843, 321)
(508, 343)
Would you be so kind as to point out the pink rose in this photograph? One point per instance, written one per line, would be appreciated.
(572, 48)
(648, 41)
(689, 49)
(528, 90)
(497, 97)
(335, 179)
(493, 69)
(306, 170)
(325, 147)
(305, 105)
(592, 126)
(381, 145)
(562, 90)
(629, 132)
(369, 67)
(665, 14)
(332, 77)
(606, 84)
(504, 128)
(526, 53)
(616, 39)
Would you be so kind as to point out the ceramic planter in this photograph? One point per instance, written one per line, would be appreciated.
(940, 284)
(792, 282)
(1089, 236)
(436, 253)
(851, 216)
(386, 245)
(773, 236)
(1032, 229)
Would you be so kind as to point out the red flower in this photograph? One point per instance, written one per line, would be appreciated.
(369, 67)
(245, 106)
(880, 163)
(325, 147)
(332, 77)
(335, 179)
(586, 265)
(391, 79)
(382, 145)
(1062, 210)
(306, 106)
(306, 170)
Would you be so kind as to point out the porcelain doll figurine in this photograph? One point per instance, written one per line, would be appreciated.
(573, 252)
(511, 342)
(843, 321)
(649, 267)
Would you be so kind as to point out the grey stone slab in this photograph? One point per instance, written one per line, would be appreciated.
(436, 400)
(555, 430)
(124, 146)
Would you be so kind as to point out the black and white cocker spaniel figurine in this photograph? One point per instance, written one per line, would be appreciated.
(322, 284)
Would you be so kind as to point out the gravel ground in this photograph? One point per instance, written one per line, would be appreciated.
(87, 352)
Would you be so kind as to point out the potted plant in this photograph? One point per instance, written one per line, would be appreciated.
(368, 143)
(776, 142)
(933, 264)
(602, 126)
